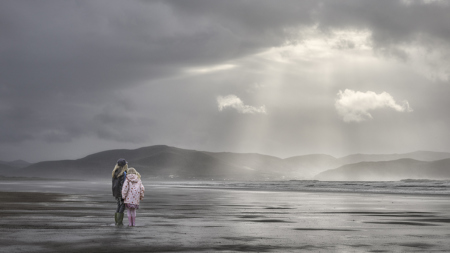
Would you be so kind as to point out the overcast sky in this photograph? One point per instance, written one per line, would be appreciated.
(282, 78)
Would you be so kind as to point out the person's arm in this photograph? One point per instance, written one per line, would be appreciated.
(125, 188)
(112, 186)
(142, 191)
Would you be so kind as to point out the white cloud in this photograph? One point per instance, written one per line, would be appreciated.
(234, 102)
(355, 105)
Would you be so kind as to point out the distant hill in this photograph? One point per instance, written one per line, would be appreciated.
(418, 155)
(310, 165)
(389, 171)
(16, 164)
(164, 162)
(5, 168)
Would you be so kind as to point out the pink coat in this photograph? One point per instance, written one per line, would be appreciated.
(132, 190)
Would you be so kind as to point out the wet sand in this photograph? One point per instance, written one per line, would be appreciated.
(78, 217)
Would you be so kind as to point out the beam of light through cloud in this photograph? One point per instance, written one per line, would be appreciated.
(355, 105)
(210, 69)
(234, 102)
(410, 2)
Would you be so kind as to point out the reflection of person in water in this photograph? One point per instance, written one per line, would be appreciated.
(118, 177)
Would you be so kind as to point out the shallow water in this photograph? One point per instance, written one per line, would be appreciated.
(216, 217)
(413, 187)
(416, 187)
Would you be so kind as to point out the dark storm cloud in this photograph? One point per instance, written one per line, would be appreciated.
(66, 65)
(60, 46)
(117, 122)
(390, 22)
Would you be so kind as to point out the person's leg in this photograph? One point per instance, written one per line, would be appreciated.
(120, 211)
(118, 205)
(116, 215)
(130, 217)
(133, 214)
(122, 206)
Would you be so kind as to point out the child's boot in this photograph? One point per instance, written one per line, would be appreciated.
(116, 218)
(120, 219)
(133, 221)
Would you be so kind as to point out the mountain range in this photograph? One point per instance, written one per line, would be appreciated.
(15, 164)
(389, 171)
(165, 162)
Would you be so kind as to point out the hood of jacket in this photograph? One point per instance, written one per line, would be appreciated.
(133, 178)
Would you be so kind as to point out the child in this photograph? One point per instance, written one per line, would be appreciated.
(133, 193)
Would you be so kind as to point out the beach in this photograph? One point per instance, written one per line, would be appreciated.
(78, 216)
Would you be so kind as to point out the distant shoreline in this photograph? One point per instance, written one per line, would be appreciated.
(4, 178)
(404, 187)
(316, 191)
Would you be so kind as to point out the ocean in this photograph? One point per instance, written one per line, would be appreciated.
(408, 186)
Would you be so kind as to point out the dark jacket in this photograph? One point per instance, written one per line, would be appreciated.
(117, 183)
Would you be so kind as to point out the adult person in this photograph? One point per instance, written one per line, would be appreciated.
(119, 175)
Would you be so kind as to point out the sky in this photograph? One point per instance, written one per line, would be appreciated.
(281, 78)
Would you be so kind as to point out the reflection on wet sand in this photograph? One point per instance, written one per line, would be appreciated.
(78, 216)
